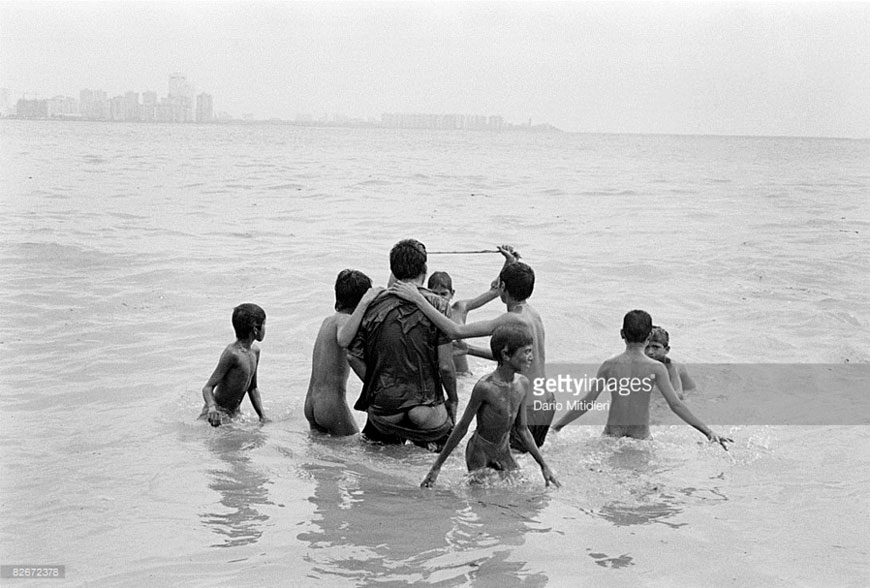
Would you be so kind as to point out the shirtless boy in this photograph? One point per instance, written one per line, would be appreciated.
(658, 348)
(325, 404)
(236, 372)
(442, 284)
(630, 377)
(497, 401)
(516, 283)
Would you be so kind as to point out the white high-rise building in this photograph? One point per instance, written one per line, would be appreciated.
(181, 98)
(204, 108)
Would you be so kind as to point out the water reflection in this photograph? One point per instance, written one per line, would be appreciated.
(373, 524)
(242, 487)
(641, 498)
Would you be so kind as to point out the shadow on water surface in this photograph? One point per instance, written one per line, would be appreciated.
(636, 476)
(374, 526)
(242, 487)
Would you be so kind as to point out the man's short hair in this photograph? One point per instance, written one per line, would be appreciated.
(408, 259)
(636, 326)
(350, 285)
(519, 280)
(247, 317)
(509, 338)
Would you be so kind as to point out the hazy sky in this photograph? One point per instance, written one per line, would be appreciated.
(753, 68)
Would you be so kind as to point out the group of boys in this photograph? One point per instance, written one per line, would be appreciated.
(402, 342)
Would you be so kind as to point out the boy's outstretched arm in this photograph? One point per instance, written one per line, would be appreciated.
(591, 396)
(224, 364)
(523, 428)
(453, 330)
(476, 351)
(463, 307)
(466, 306)
(663, 382)
(455, 437)
(348, 330)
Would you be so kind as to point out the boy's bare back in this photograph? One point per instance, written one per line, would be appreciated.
(234, 376)
(325, 404)
(631, 377)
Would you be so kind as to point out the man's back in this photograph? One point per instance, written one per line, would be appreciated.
(399, 347)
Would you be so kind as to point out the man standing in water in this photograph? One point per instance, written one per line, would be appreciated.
(405, 361)
(515, 285)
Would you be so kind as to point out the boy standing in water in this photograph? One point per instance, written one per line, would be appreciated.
(630, 377)
(442, 284)
(516, 283)
(236, 372)
(658, 348)
(325, 404)
(498, 401)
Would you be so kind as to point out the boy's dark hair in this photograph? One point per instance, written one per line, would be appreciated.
(660, 335)
(408, 259)
(246, 317)
(636, 326)
(350, 285)
(508, 338)
(440, 280)
(519, 280)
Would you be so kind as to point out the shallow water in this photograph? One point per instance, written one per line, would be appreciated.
(125, 248)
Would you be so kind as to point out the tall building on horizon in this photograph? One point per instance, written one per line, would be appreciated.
(180, 98)
(204, 108)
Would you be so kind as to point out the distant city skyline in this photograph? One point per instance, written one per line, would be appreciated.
(728, 68)
(181, 105)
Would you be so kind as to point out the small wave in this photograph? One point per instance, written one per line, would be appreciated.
(285, 187)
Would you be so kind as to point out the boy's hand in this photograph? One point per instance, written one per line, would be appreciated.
(407, 292)
(720, 440)
(214, 417)
(510, 254)
(264, 420)
(460, 348)
(550, 478)
(429, 481)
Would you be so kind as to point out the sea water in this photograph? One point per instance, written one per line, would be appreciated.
(124, 248)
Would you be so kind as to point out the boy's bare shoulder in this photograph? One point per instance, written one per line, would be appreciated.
(512, 318)
(487, 385)
(485, 381)
(612, 361)
(333, 320)
(231, 351)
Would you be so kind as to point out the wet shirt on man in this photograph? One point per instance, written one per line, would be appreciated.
(399, 347)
